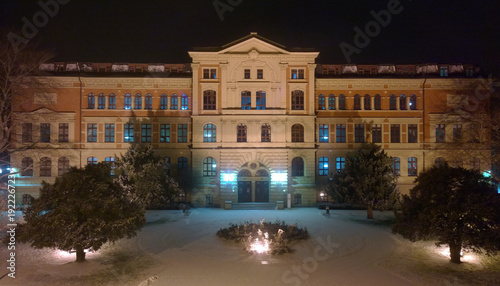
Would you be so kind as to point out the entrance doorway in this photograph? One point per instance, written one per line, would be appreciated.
(244, 192)
(253, 188)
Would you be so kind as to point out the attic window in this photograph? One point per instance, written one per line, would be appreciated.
(247, 74)
(209, 73)
(297, 74)
(260, 74)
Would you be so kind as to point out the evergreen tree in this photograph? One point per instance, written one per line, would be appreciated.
(367, 179)
(455, 206)
(145, 176)
(83, 209)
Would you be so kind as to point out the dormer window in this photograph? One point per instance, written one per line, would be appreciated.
(209, 73)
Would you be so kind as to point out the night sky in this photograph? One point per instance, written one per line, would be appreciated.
(438, 31)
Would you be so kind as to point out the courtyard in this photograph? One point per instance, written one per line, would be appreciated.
(174, 249)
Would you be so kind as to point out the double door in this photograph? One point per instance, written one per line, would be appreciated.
(253, 191)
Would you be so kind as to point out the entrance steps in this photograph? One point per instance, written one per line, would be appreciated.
(253, 206)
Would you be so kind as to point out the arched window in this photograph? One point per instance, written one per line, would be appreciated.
(439, 162)
(91, 160)
(331, 102)
(182, 163)
(297, 167)
(265, 133)
(413, 102)
(112, 101)
(368, 102)
(128, 101)
(45, 167)
(402, 102)
(377, 103)
(101, 102)
(261, 173)
(297, 133)
(62, 166)
(209, 167)
(323, 166)
(341, 102)
(339, 164)
(184, 102)
(321, 102)
(396, 165)
(209, 133)
(163, 102)
(209, 100)
(148, 101)
(246, 100)
(91, 101)
(138, 101)
(27, 167)
(173, 102)
(357, 102)
(392, 102)
(297, 100)
(244, 173)
(241, 133)
(260, 100)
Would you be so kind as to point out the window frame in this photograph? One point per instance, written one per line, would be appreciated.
(209, 133)
(109, 132)
(323, 166)
(260, 100)
(241, 133)
(324, 133)
(101, 101)
(45, 132)
(174, 102)
(377, 133)
(182, 133)
(164, 133)
(209, 167)
(128, 129)
(412, 133)
(265, 133)
(138, 102)
(45, 167)
(209, 100)
(91, 132)
(331, 102)
(297, 167)
(297, 131)
(359, 133)
(246, 100)
(297, 100)
(395, 133)
(112, 101)
(340, 133)
(412, 166)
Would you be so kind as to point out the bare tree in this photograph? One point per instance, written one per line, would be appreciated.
(17, 66)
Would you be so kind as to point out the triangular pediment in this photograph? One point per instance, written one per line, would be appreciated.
(42, 110)
(253, 42)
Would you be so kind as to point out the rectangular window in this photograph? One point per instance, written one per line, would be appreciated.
(146, 133)
(109, 133)
(45, 132)
(443, 71)
(182, 163)
(213, 73)
(440, 133)
(92, 132)
(377, 133)
(182, 131)
(475, 135)
(359, 133)
(412, 166)
(209, 73)
(341, 133)
(165, 133)
(63, 132)
(206, 73)
(246, 100)
(260, 100)
(297, 199)
(395, 133)
(301, 74)
(27, 132)
(323, 133)
(247, 74)
(457, 132)
(260, 74)
(412, 133)
(128, 133)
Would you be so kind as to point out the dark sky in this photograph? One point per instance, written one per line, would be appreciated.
(437, 31)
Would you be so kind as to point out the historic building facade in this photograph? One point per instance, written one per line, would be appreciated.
(250, 121)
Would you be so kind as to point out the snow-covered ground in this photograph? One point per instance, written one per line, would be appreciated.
(172, 249)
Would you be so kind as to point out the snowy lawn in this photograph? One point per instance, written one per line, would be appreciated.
(172, 249)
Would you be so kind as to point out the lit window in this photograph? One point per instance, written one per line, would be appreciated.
(297, 100)
(111, 161)
(323, 133)
(148, 101)
(164, 133)
(101, 102)
(260, 100)
(412, 166)
(62, 166)
(91, 101)
(173, 102)
(241, 134)
(109, 133)
(339, 164)
(146, 133)
(128, 101)
(163, 102)
(297, 133)
(209, 167)
(182, 133)
(92, 132)
(297, 74)
(323, 166)
(359, 133)
(27, 167)
(321, 102)
(341, 133)
(443, 71)
(128, 134)
(209, 133)
(331, 102)
(413, 102)
(246, 100)
(112, 101)
(265, 133)
(297, 167)
(92, 160)
(209, 100)
(184, 102)
(45, 132)
(396, 165)
(45, 167)
(138, 101)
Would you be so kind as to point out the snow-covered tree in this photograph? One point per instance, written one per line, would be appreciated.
(367, 179)
(82, 210)
(145, 176)
(455, 206)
